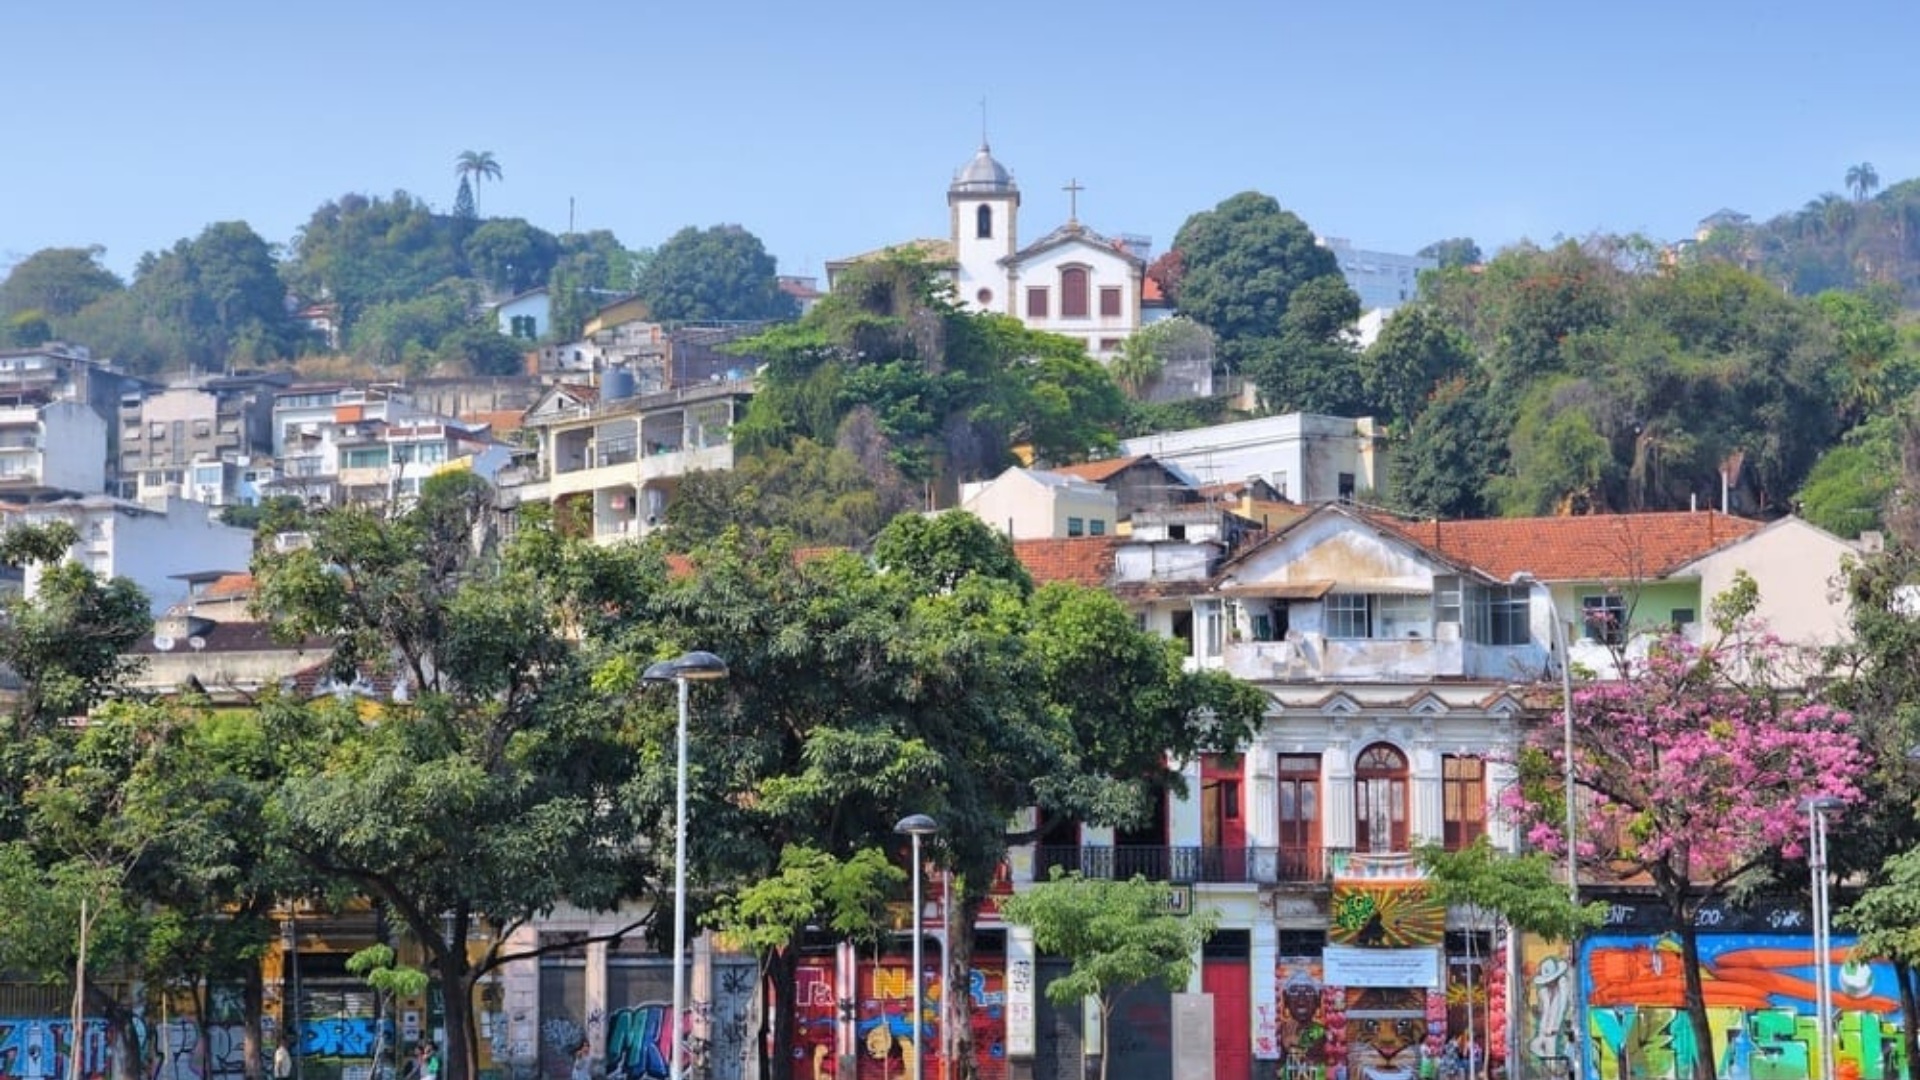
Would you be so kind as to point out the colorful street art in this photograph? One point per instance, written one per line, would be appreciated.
(41, 1048)
(1759, 991)
(1385, 913)
(882, 1021)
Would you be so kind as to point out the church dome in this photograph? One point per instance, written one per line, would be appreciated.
(983, 176)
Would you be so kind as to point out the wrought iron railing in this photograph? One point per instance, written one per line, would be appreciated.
(1181, 864)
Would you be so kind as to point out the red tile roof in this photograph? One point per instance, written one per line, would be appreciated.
(1587, 548)
(1151, 293)
(1084, 560)
(229, 585)
(497, 421)
(1099, 471)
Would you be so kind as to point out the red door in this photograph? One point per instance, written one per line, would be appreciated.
(1226, 980)
(1223, 828)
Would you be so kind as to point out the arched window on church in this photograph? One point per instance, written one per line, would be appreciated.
(983, 222)
(1073, 292)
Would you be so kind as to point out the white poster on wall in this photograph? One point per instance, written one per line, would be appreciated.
(1348, 965)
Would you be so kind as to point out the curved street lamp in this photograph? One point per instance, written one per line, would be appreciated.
(683, 670)
(917, 826)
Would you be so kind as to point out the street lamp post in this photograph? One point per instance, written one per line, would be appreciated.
(917, 826)
(1522, 577)
(1567, 778)
(1817, 808)
(683, 670)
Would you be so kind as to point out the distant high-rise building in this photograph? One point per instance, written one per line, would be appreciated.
(1383, 280)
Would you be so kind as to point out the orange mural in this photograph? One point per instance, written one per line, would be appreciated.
(1653, 974)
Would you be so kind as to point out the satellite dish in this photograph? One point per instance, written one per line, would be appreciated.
(197, 642)
(163, 642)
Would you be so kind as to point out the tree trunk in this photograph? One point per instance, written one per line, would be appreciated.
(1910, 1013)
(461, 1055)
(781, 980)
(1704, 1067)
(959, 982)
(253, 1003)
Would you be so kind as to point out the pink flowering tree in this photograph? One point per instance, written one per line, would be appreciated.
(1686, 780)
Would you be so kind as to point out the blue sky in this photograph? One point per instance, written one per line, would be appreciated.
(831, 128)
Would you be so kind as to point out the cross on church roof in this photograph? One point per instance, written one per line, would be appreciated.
(1073, 190)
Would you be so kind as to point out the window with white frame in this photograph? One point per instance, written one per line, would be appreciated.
(1210, 623)
(1347, 616)
(1379, 615)
(1501, 615)
(1446, 598)
(1605, 617)
(1403, 616)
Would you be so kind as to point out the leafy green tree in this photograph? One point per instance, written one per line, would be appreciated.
(495, 785)
(68, 642)
(511, 256)
(25, 329)
(480, 348)
(408, 332)
(944, 549)
(1311, 364)
(1415, 352)
(463, 208)
(718, 274)
(890, 363)
(1560, 465)
(1242, 261)
(57, 282)
(1452, 252)
(965, 691)
(1116, 934)
(358, 251)
(477, 167)
(1875, 675)
(1445, 464)
(820, 494)
(1526, 891)
(1847, 490)
(811, 889)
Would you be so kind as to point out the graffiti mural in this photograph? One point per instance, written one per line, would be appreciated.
(1302, 1030)
(1759, 991)
(177, 1051)
(881, 1018)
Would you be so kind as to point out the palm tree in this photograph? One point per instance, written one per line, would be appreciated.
(476, 165)
(1862, 180)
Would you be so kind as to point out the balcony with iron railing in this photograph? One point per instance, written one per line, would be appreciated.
(1185, 865)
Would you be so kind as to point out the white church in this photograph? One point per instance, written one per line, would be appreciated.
(1072, 281)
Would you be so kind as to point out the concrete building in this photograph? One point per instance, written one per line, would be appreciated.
(1307, 458)
(155, 545)
(1031, 504)
(51, 447)
(1384, 280)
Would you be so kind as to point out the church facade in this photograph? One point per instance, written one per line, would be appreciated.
(1071, 281)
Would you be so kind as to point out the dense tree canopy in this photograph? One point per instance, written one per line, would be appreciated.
(891, 369)
(1254, 274)
(718, 274)
(57, 282)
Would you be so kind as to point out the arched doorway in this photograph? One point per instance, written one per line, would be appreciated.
(1380, 800)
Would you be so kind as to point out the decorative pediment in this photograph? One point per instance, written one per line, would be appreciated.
(1429, 705)
(1340, 705)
